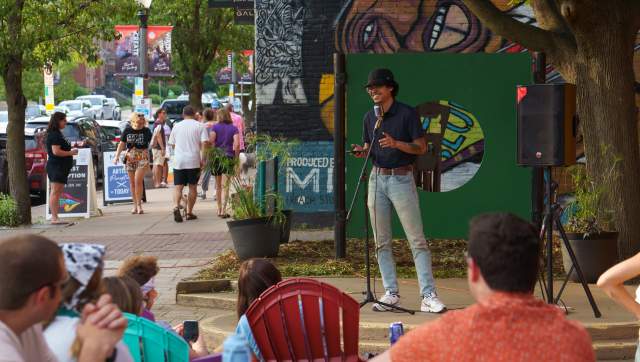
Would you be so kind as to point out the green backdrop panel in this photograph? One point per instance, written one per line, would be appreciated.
(484, 85)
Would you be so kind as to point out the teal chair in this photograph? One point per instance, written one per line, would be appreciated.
(148, 342)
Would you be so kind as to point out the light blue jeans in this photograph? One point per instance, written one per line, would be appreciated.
(400, 192)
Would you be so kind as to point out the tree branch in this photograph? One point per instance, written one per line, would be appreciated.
(529, 36)
(548, 16)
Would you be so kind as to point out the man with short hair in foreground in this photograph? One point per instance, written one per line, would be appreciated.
(507, 323)
(32, 273)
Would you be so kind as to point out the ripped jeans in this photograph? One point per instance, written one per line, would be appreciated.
(400, 192)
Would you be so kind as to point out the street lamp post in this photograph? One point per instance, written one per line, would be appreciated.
(143, 15)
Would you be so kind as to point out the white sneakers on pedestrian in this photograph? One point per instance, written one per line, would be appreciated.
(432, 304)
(387, 298)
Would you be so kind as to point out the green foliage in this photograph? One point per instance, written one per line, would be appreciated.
(8, 211)
(156, 99)
(590, 212)
(245, 203)
(201, 37)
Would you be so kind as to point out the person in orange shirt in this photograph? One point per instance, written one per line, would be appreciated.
(507, 323)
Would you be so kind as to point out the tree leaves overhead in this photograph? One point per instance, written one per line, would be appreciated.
(54, 30)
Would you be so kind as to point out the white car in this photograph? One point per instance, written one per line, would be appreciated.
(112, 109)
(81, 108)
(98, 104)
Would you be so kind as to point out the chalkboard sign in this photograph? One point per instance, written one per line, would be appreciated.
(116, 180)
(75, 200)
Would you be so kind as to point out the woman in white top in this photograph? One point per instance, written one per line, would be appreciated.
(612, 282)
(84, 263)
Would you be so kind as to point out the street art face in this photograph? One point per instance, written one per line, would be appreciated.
(279, 51)
(385, 26)
(455, 145)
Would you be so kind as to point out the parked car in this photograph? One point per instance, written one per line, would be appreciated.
(4, 116)
(174, 109)
(34, 110)
(206, 97)
(83, 132)
(62, 109)
(112, 129)
(81, 108)
(35, 158)
(98, 103)
(112, 109)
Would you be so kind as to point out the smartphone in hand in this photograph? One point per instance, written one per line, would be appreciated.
(190, 333)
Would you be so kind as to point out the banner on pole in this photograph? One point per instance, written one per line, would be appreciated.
(127, 49)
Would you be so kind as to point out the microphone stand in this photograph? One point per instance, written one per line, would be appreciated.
(369, 297)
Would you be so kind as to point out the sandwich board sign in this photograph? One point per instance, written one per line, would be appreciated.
(78, 196)
(116, 181)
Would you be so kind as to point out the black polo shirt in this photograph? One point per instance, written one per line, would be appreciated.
(402, 123)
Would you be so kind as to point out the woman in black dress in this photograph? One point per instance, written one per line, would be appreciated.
(136, 139)
(59, 162)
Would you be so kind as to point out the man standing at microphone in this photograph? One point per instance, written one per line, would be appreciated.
(396, 137)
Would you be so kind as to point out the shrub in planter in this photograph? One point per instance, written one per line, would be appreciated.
(256, 231)
(590, 228)
(8, 211)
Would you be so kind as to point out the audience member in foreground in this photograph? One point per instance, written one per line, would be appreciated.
(84, 264)
(32, 272)
(127, 296)
(143, 269)
(612, 282)
(507, 323)
(256, 276)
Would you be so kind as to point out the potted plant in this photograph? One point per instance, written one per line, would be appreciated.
(256, 230)
(590, 228)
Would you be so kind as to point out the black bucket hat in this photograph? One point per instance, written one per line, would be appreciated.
(380, 77)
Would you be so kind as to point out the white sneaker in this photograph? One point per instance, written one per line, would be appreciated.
(432, 304)
(387, 298)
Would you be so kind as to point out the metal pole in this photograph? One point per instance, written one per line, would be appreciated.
(537, 180)
(233, 79)
(143, 15)
(549, 232)
(339, 155)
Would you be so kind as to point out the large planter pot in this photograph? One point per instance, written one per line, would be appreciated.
(595, 254)
(286, 227)
(255, 238)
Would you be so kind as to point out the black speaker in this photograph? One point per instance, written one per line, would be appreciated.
(546, 124)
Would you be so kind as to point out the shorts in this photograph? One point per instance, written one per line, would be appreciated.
(58, 173)
(158, 157)
(188, 176)
(136, 159)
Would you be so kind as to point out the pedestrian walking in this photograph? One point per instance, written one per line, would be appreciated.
(136, 139)
(224, 136)
(209, 122)
(59, 163)
(158, 147)
(189, 140)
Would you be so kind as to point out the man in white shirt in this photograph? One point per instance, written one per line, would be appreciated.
(32, 272)
(189, 140)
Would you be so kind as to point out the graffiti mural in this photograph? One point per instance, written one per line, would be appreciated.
(455, 145)
(279, 51)
(295, 40)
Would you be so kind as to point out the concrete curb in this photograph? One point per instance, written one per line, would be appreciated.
(202, 286)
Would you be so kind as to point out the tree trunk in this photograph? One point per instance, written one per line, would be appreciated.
(608, 117)
(196, 87)
(17, 104)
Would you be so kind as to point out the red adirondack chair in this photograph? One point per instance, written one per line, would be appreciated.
(299, 319)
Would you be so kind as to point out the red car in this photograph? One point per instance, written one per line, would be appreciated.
(35, 159)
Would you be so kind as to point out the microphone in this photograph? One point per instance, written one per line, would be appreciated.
(379, 112)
